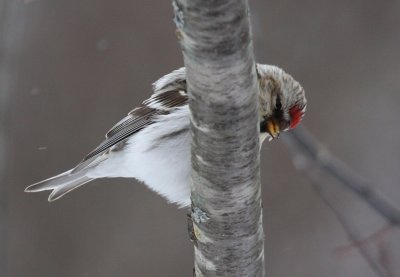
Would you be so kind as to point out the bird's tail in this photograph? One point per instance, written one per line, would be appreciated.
(61, 184)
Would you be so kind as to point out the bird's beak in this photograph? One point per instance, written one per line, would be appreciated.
(273, 128)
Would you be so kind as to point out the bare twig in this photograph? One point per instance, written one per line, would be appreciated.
(301, 141)
(226, 194)
(313, 159)
(376, 237)
(352, 234)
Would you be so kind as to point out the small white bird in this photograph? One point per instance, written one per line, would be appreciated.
(152, 143)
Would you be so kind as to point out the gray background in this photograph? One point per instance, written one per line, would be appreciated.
(71, 69)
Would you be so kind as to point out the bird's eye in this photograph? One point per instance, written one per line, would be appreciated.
(278, 104)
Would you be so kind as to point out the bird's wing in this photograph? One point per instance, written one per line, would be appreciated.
(160, 103)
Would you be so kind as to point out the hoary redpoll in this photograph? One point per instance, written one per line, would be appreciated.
(156, 135)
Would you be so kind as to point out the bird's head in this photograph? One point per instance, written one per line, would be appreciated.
(282, 101)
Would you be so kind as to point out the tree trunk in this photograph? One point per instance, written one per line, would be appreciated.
(223, 98)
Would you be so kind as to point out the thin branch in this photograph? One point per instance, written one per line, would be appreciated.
(302, 140)
(313, 159)
(223, 99)
(376, 237)
(352, 234)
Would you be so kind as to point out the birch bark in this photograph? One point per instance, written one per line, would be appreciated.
(216, 43)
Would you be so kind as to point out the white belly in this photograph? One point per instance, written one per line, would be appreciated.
(158, 155)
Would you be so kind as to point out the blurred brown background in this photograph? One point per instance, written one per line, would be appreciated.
(71, 69)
